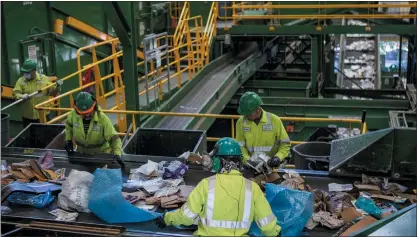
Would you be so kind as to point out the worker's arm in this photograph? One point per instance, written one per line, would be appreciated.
(191, 209)
(241, 139)
(52, 91)
(69, 126)
(112, 137)
(18, 90)
(263, 215)
(283, 140)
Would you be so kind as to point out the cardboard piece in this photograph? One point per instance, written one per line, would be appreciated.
(366, 221)
(349, 214)
(411, 197)
(390, 198)
(367, 187)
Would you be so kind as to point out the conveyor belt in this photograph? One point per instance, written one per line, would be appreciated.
(203, 91)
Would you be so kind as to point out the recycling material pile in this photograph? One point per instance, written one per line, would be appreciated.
(351, 207)
(158, 185)
(31, 170)
(357, 23)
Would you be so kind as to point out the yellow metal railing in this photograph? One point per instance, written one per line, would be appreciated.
(232, 118)
(197, 54)
(238, 8)
(175, 9)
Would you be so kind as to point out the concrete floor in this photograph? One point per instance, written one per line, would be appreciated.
(111, 101)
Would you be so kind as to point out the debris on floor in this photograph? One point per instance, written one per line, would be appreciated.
(62, 215)
(293, 180)
(327, 219)
(158, 184)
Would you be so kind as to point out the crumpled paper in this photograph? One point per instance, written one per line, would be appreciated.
(293, 180)
(327, 219)
(62, 215)
(322, 201)
(341, 201)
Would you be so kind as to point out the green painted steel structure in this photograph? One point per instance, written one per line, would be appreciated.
(31, 24)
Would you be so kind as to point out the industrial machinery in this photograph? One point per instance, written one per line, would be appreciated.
(175, 59)
(346, 159)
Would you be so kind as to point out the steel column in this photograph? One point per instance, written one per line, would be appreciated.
(400, 56)
(314, 64)
(126, 31)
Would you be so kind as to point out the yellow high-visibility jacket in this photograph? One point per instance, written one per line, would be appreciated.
(226, 205)
(101, 135)
(262, 137)
(24, 86)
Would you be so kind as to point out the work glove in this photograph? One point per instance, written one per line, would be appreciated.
(118, 159)
(69, 146)
(59, 82)
(274, 162)
(160, 222)
(25, 96)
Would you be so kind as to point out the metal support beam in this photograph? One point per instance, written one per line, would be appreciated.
(314, 64)
(400, 56)
(264, 30)
(127, 35)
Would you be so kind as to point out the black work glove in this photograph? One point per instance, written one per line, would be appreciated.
(160, 222)
(118, 159)
(69, 147)
(274, 162)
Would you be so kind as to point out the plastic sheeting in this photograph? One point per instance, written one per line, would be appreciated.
(292, 208)
(30, 199)
(106, 200)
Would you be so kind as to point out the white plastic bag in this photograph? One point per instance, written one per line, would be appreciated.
(76, 191)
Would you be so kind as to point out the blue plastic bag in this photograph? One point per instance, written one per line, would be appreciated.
(106, 200)
(292, 209)
(31, 199)
(369, 206)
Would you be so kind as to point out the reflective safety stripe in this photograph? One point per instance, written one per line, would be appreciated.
(226, 224)
(268, 117)
(248, 201)
(209, 222)
(242, 143)
(188, 213)
(260, 149)
(266, 220)
(286, 140)
(244, 122)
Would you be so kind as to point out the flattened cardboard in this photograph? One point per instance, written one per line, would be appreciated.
(349, 214)
(367, 187)
(366, 221)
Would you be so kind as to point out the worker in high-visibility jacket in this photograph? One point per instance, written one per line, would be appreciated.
(91, 129)
(30, 82)
(257, 131)
(225, 204)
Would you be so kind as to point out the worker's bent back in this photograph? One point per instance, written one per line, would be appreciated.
(226, 204)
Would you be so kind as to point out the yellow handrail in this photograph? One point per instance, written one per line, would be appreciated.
(216, 116)
(318, 6)
(197, 49)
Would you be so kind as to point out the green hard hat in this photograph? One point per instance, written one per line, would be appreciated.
(248, 103)
(28, 66)
(227, 147)
(84, 103)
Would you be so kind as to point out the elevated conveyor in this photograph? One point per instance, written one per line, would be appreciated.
(212, 88)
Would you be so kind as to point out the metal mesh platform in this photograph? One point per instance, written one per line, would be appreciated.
(203, 91)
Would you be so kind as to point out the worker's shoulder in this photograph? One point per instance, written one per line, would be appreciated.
(240, 120)
(274, 117)
(20, 80)
(44, 77)
(72, 114)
